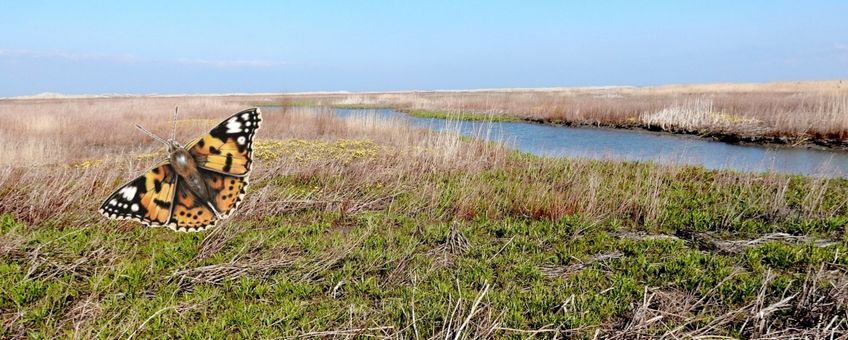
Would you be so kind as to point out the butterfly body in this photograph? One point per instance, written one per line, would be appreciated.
(186, 167)
(197, 185)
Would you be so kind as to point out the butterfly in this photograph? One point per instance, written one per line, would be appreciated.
(197, 185)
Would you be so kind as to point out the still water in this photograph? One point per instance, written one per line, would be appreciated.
(616, 144)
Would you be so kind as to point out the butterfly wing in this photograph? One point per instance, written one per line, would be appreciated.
(147, 199)
(191, 213)
(228, 148)
(226, 191)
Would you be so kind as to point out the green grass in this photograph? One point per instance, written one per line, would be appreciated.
(462, 116)
(316, 269)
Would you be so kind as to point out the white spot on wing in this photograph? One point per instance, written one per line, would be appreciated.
(128, 193)
(113, 202)
(134, 207)
(233, 126)
(241, 140)
(245, 116)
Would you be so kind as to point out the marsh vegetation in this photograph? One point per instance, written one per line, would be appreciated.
(813, 113)
(362, 226)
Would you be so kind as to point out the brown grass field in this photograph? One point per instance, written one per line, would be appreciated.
(788, 113)
(362, 227)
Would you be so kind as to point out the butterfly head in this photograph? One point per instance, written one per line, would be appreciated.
(173, 146)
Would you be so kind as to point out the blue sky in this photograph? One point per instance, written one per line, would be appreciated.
(87, 47)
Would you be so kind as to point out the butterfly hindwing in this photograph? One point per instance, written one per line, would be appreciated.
(147, 199)
(226, 191)
(190, 213)
(228, 148)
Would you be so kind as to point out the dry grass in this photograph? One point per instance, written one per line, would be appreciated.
(94, 147)
(37, 131)
(788, 113)
(360, 152)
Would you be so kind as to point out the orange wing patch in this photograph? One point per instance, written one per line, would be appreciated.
(226, 191)
(221, 155)
(158, 201)
(228, 148)
(147, 199)
(190, 212)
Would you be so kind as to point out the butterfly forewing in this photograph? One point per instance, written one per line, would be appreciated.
(146, 199)
(228, 148)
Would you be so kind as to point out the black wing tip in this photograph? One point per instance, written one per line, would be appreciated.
(255, 110)
(250, 110)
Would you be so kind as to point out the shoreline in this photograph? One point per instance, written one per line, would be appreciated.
(717, 136)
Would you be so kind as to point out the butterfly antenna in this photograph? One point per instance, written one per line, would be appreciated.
(174, 131)
(152, 135)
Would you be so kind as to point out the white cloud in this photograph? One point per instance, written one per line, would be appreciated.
(840, 46)
(129, 59)
(65, 55)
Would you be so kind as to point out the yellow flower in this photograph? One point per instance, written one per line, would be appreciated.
(343, 150)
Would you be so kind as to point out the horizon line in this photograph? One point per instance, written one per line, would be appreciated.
(58, 95)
